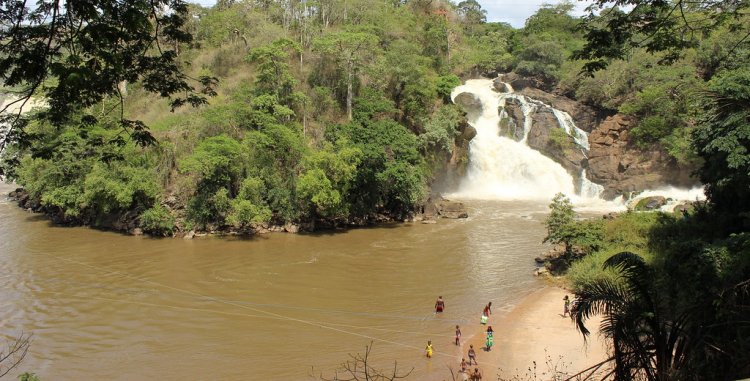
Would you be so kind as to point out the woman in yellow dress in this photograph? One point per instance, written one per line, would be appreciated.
(428, 350)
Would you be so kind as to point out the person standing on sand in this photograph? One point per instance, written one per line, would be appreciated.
(439, 305)
(566, 305)
(458, 334)
(477, 375)
(428, 350)
(472, 355)
(490, 338)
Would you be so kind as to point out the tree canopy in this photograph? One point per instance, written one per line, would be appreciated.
(76, 54)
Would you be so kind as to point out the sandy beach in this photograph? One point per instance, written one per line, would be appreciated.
(536, 332)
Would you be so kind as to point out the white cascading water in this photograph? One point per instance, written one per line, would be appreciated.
(505, 169)
(502, 168)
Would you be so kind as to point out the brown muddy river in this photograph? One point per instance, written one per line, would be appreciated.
(103, 306)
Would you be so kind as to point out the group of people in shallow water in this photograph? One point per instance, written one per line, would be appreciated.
(475, 375)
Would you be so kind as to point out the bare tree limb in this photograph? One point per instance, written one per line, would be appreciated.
(13, 353)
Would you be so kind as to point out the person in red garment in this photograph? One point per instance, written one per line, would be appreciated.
(439, 305)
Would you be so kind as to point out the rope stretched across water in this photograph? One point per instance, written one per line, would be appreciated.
(247, 307)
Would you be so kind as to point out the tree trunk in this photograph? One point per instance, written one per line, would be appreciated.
(350, 69)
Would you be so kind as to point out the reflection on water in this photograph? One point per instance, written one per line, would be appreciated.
(275, 307)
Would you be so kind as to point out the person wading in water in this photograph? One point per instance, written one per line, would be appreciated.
(439, 305)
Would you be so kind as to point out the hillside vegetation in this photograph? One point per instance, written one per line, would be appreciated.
(331, 115)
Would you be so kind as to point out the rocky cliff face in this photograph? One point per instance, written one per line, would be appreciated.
(621, 168)
(565, 152)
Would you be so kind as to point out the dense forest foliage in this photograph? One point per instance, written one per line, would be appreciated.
(335, 112)
(674, 288)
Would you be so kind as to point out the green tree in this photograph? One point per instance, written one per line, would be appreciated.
(76, 54)
(351, 50)
(472, 12)
(647, 344)
(563, 228)
(658, 26)
(249, 206)
(216, 166)
(723, 141)
(157, 221)
(328, 178)
(273, 75)
(560, 218)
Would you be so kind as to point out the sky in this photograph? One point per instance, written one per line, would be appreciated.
(514, 12)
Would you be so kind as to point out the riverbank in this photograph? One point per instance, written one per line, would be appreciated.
(130, 222)
(534, 340)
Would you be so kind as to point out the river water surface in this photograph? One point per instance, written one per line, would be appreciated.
(104, 306)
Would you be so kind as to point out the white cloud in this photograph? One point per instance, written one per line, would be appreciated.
(515, 12)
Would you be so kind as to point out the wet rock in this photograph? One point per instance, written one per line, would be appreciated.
(650, 203)
(16, 193)
(610, 216)
(291, 228)
(429, 221)
(189, 235)
(500, 86)
(451, 209)
(519, 82)
(512, 127)
(469, 103)
(136, 231)
(541, 271)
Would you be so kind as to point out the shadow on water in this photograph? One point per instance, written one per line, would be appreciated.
(328, 232)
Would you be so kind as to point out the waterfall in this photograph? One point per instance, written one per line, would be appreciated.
(506, 168)
(566, 123)
(502, 168)
(589, 189)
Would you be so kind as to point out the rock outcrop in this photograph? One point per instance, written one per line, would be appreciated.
(439, 207)
(586, 117)
(566, 153)
(512, 126)
(622, 168)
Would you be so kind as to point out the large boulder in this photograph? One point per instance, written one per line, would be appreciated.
(566, 153)
(469, 103)
(512, 126)
(438, 207)
(451, 209)
(649, 203)
(622, 168)
(500, 86)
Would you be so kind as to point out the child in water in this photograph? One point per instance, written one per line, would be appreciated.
(458, 334)
(490, 338)
(472, 355)
(428, 350)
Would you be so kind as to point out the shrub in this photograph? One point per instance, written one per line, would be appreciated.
(157, 221)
